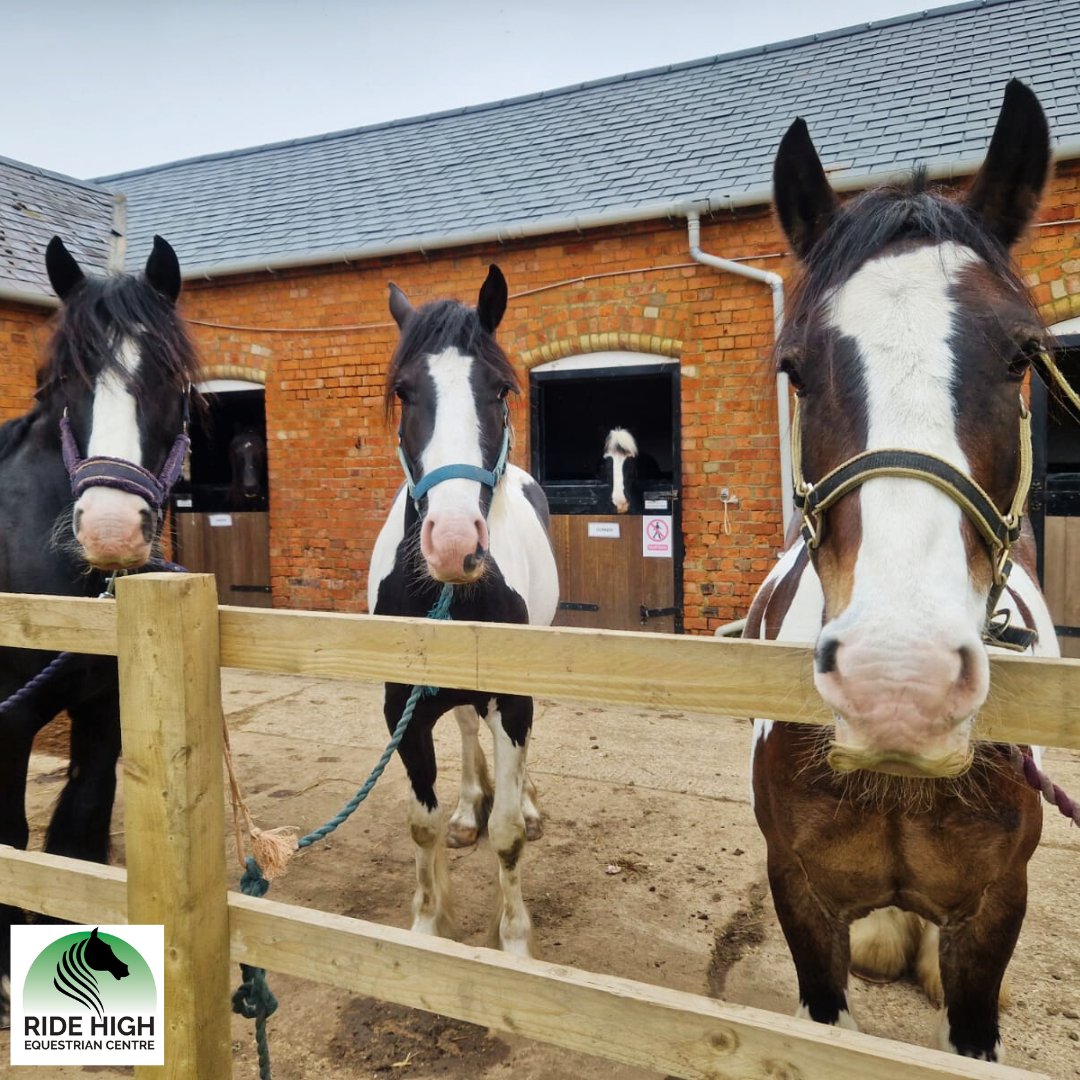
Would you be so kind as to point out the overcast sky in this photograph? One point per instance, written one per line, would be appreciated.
(90, 87)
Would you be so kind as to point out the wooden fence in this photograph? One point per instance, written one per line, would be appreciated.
(172, 640)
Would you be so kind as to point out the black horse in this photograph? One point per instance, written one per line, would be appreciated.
(83, 478)
(247, 467)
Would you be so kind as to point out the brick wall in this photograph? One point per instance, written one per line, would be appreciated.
(321, 339)
(23, 334)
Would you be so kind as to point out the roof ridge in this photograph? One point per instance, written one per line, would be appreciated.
(607, 80)
(37, 170)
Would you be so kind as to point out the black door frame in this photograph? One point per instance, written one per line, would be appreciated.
(537, 436)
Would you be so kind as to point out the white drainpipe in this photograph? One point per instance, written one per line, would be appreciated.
(776, 286)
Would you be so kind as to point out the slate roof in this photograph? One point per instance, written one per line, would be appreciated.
(877, 97)
(36, 205)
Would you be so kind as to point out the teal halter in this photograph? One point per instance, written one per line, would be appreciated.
(489, 477)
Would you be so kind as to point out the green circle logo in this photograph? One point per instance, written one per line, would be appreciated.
(97, 973)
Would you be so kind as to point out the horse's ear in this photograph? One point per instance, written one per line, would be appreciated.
(492, 303)
(63, 270)
(804, 201)
(1007, 189)
(93, 933)
(163, 270)
(400, 307)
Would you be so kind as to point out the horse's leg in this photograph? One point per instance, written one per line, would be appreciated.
(474, 801)
(884, 943)
(818, 942)
(510, 720)
(80, 823)
(17, 730)
(534, 824)
(431, 907)
(974, 954)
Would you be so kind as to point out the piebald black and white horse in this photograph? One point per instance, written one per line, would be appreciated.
(908, 344)
(621, 483)
(466, 517)
(83, 480)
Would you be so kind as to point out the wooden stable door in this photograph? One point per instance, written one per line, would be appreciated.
(1061, 579)
(234, 547)
(605, 580)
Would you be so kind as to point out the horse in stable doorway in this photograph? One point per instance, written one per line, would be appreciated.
(908, 344)
(469, 518)
(83, 481)
(247, 470)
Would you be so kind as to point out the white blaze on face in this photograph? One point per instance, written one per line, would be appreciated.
(619, 446)
(109, 523)
(910, 665)
(454, 526)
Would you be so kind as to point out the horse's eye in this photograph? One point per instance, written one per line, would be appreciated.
(788, 365)
(1021, 359)
(402, 394)
(504, 392)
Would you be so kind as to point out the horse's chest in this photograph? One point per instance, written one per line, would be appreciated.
(938, 862)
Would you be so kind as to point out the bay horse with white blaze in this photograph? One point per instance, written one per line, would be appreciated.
(83, 480)
(468, 518)
(908, 343)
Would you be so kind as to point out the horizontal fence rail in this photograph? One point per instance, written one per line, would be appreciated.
(171, 639)
(1032, 699)
(635, 1023)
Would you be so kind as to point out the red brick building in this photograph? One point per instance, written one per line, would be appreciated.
(584, 197)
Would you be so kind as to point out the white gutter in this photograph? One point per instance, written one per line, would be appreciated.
(710, 203)
(776, 286)
(32, 299)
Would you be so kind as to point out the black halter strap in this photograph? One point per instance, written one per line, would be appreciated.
(998, 531)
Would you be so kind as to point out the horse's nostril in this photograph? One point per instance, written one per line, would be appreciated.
(475, 559)
(967, 666)
(825, 656)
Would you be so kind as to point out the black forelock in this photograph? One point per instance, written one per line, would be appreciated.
(441, 325)
(873, 221)
(102, 312)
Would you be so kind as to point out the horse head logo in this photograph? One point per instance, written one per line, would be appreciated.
(75, 970)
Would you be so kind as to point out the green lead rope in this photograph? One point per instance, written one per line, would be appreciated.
(254, 999)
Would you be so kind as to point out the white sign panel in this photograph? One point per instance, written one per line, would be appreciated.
(220, 520)
(656, 538)
(609, 529)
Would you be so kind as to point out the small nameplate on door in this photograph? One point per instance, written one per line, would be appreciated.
(608, 529)
(183, 504)
(656, 504)
(220, 520)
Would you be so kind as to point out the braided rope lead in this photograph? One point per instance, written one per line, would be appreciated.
(1037, 779)
(253, 998)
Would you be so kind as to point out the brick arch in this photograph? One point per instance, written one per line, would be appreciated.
(234, 371)
(614, 341)
(1061, 309)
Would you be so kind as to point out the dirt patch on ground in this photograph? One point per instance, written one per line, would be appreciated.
(744, 930)
(651, 867)
(388, 1039)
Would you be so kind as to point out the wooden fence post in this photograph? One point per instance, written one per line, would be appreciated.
(174, 807)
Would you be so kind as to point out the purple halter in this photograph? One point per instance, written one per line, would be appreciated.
(123, 475)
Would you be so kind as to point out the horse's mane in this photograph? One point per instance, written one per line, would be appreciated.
(98, 315)
(872, 221)
(440, 325)
(14, 431)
